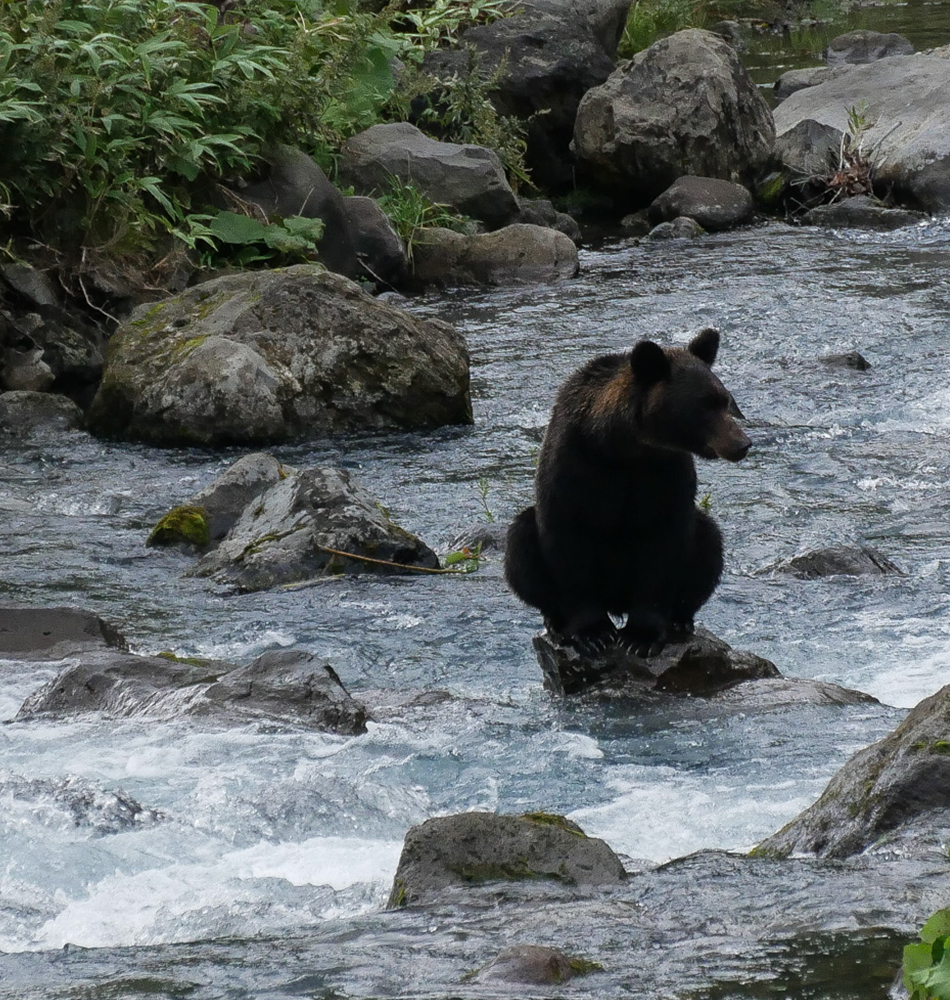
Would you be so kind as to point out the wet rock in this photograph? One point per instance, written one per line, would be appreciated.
(840, 560)
(864, 46)
(636, 223)
(287, 686)
(269, 355)
(477, 847)
(31, 284)
(185, 525)
(517, 254)
(682, 228)
(541, 60)
(850, 359)
(862, 212)
(79, 802)
(532, 964)
(908, 101)
(700, 665)
(36, 633)
(380, 251)
(469, 178)
(297, 186)
(714, 204)
(316, 523)
(27, 412)
(888, 790)
(683, 106)
(794, 80)
(485, 537)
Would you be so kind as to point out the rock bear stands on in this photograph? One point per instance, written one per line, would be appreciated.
(615, 529)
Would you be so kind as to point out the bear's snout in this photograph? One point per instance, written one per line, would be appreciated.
(735, 447)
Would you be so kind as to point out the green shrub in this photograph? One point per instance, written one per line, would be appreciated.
(927, 965)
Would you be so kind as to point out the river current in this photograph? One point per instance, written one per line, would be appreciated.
(262, 861)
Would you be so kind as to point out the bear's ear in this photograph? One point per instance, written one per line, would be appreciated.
(649, 363)
(705, 345)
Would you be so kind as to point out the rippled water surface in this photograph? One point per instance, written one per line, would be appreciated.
(263, 862)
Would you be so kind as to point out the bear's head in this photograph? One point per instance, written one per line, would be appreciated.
(682, 405)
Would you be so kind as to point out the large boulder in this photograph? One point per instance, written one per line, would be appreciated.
(898, 788)
(517, 254)
(907, 111)
(289, 686)
(476, 847)
(312, 524)
(541, 61)
(296, 185)
(712, 202)
(380, 251)
(466, 177)
(270, 355)
(683, 106)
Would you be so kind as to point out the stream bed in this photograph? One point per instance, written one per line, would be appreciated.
(262, 857)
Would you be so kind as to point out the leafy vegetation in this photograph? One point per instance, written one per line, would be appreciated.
(120, 118)
(410, 211)
(927, 965)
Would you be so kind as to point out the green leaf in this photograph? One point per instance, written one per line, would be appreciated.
(936, 980)
(936, 927)
(308, 229)
(240, 229)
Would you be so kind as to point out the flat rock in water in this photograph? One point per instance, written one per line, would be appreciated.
(286, 686)
(477, 847)
(534, 964)
(840, 560)
(29, 633)
(700, 665)
(862, 212)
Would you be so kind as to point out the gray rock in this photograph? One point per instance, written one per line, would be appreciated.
(297, 185)
(225, 499)
(287, 686)
(713, 203)
(864, 46)
(884, 791)
(517, 254)
(850, 359)
(809, 149)
(27, 412)
(840, 560)
(476, 847)
(469, 178)
(793, 80)
(862, 212)
(540, 212)
(532, 964)
(25, 371)
(682, 228)
(35, 633)
(683, 106)
(379, 249)
(32, 284)
(908, 102)
(269, 355)
(284, 537)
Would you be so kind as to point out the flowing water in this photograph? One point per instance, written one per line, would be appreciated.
(262, 859)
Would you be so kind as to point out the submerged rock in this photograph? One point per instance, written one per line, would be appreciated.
(270, 355)
(31, 633)
(533, 964)
(898, 787)
(477, 847)
(700, 665)
(840, 560)
(287, 686)
(862, 212)
(713, 203)
(318, 522)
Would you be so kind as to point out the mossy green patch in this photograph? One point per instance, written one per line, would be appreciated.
(398, 897)
(182, 525)
(553, 819)
(584, 966)
(191, 661)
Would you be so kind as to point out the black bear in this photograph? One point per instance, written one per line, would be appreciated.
(615, 529)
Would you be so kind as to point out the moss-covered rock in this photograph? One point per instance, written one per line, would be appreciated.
(184, 525)
(270, 355)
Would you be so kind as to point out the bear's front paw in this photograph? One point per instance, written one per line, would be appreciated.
(593, 641)
(639, 642)
(682, 630)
